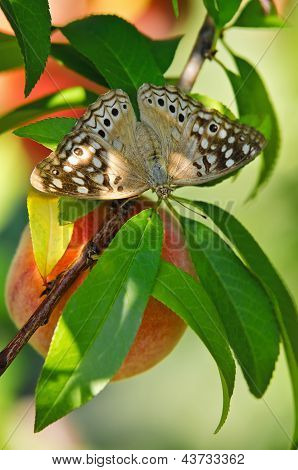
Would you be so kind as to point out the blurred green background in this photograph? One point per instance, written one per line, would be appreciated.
(176, 405)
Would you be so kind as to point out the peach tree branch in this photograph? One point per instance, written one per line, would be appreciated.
(202, 49)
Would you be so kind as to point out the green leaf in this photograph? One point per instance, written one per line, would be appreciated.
(253, 16)
(49, 238)
(71, 209)
(213, 104)
(258, 262)
(172, 80)
(76, 97)
(183, 295)
(31, 22)
(48, 132)
(100, 320)
(118, 50)
(222, 11)
(10, 54)
(72, 59)
(241, 301)
(175, 7)
(164, 51)
(252, 99)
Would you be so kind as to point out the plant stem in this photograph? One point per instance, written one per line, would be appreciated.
(203, 49)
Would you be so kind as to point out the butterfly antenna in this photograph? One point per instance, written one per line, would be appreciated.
(188, 208)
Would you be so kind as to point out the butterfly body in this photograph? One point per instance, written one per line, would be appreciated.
(177, 142)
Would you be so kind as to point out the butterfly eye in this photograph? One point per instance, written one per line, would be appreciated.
(78, 151)
(55, 172)
(149, 100)
(213, 127)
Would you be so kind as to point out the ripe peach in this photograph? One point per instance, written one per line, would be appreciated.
(160, 329)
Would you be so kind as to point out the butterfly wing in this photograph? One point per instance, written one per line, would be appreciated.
(99, 159)
(198, 144)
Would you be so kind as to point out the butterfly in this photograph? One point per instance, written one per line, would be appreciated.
(109, 154)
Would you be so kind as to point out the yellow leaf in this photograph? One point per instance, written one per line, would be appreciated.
(49, 239)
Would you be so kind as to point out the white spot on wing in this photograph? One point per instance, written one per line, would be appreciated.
(95, 144)
(228, 153)
(57, 183)
(68, 145)
(204, 143)
(96, 162)
(202, 169)
(222, 133)
(82, 189)
(98, 178)
(78, 180)
(67, 168)
(245, 149)
(79, 137)
(230, 162)
(196, 127)
(73, 160)
(211, 158)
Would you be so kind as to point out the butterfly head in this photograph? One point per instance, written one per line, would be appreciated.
(73, 169)
(163, 192)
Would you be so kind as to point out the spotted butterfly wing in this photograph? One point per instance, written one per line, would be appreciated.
(100, 158)
(198, 144)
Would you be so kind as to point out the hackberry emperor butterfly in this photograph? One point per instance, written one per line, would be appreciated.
(178, 142)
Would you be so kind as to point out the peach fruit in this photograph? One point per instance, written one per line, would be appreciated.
(160, 329)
